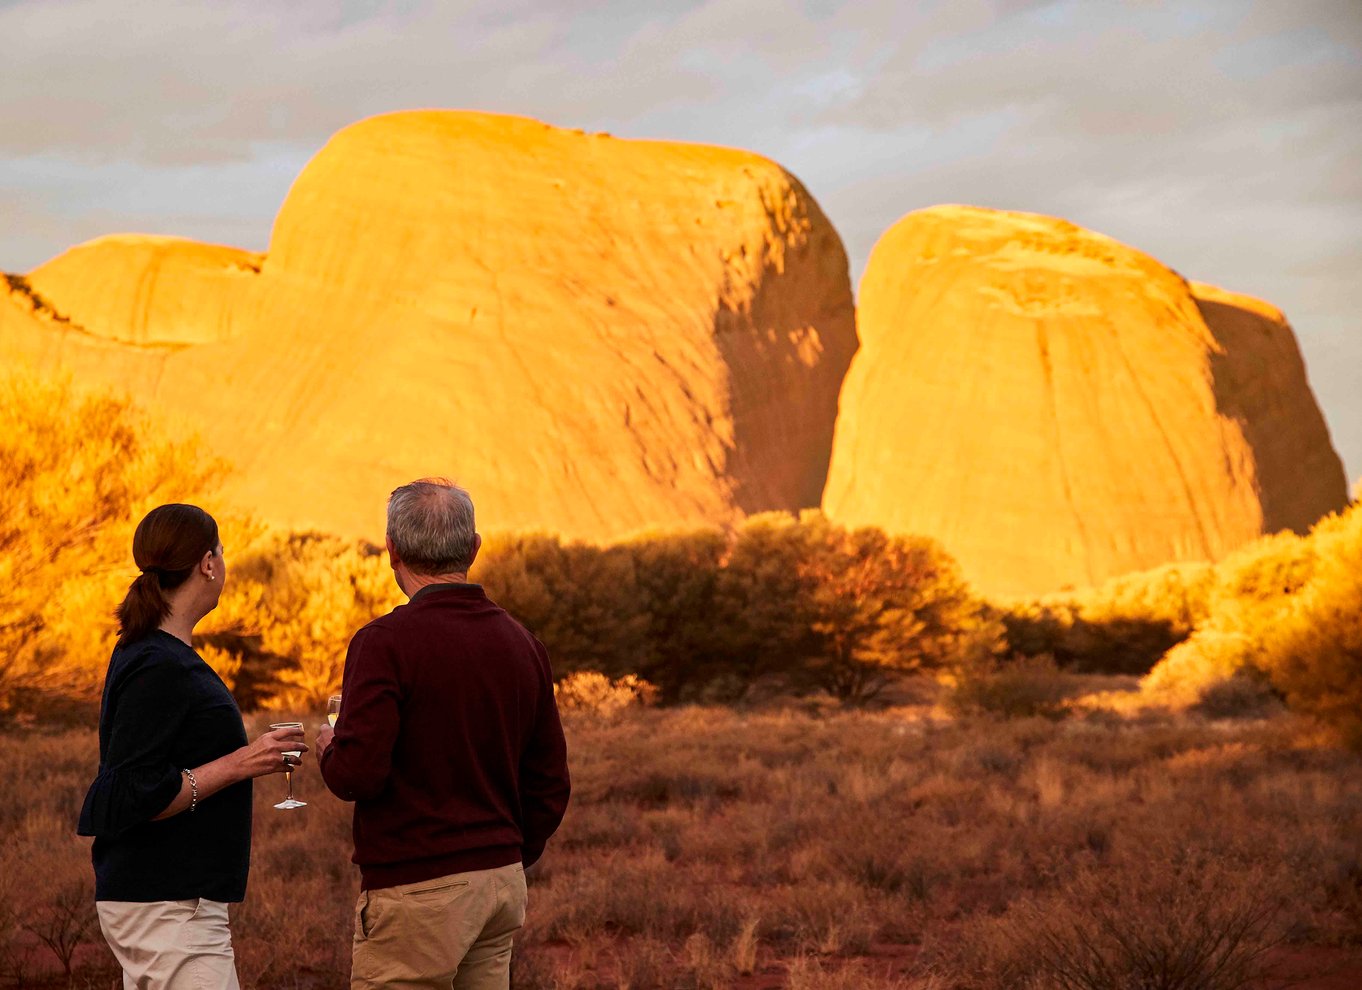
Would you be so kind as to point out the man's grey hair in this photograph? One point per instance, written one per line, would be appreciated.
(431, 525)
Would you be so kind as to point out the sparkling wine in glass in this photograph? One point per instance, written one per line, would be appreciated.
(333, 709)
(289, 802)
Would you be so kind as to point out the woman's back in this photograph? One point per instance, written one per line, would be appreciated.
(164, 709)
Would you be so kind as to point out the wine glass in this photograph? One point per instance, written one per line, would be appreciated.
(333, 709)
(289, 801)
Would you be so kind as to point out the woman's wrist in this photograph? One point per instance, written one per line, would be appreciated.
(239, 767)
(193, 788)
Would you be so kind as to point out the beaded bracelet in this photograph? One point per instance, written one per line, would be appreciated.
(193, 789)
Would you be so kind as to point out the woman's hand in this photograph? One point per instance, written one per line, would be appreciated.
(266, 754)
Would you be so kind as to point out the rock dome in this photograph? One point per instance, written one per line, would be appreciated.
(594, 335)
(1058, 408)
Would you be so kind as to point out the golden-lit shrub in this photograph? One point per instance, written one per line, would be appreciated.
(292, 603)
(882, 605)
(1314, 656)
(81, 469)
(1279, 597)
(587, 693)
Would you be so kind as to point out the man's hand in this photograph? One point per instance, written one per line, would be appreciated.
(324, 734)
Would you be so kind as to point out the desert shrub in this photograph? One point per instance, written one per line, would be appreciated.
(81, 469)
(1185, 921)
(292, 603)
(687, 643)
(1018, 688)
(811, 973)
(704, 615)
(580, 600)
(1282, 609)
(1314, 657)
(1245, 694)
(1252, 593)
(596, 696)
(1123, 626)
(846, 610)
(881, 605)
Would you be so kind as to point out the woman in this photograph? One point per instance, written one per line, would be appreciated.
(170, 809)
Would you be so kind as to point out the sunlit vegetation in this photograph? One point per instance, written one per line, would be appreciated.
(79, 471)
(779, 605)
(1285, 612)
(292, 603)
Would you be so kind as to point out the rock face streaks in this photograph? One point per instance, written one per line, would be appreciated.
(594, 335)
(1058, 408)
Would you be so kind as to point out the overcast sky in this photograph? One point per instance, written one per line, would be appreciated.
(1224, 138)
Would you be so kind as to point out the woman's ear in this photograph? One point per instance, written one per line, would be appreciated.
(207, 567)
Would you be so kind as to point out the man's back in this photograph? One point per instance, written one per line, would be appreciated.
(448, 740)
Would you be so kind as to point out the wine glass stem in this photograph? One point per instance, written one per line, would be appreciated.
(288, 778)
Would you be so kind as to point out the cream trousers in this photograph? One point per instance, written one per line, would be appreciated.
(451, 932)
(170, 945)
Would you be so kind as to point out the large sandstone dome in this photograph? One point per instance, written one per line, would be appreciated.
(1058, 408)
(594, 335)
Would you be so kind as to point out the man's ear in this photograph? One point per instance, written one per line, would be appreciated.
(477, 545)
(393, 558)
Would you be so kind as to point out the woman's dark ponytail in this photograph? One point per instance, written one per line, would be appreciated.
(167, 546)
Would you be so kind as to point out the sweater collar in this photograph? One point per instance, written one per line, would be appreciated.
(430, 589)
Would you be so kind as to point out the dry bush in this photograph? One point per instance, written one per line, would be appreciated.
(1315, 656)
(1286, 610)
(292, 603)
(81, 468)
(1245, 694)
(793, 599)
(587, 694)
(1123, 626)
(1022, 687)
(1173, 919)
(812, 973)
(1252, 593)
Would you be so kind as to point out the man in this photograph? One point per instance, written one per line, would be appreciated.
(449, 743)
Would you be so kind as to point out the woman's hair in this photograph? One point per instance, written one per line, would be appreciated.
(168, 545)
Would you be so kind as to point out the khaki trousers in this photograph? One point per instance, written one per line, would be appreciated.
(170, 945)
(451, 932)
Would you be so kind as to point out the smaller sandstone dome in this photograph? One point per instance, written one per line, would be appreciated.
(145, 289)
(1058, 408)
(1260, 383)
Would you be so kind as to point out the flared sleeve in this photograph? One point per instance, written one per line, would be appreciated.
(138, 776)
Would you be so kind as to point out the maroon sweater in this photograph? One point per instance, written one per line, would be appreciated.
(448, 740)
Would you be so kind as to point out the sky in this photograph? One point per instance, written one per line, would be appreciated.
(1223, 138)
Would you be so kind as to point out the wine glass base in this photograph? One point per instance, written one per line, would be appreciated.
(288, 803)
